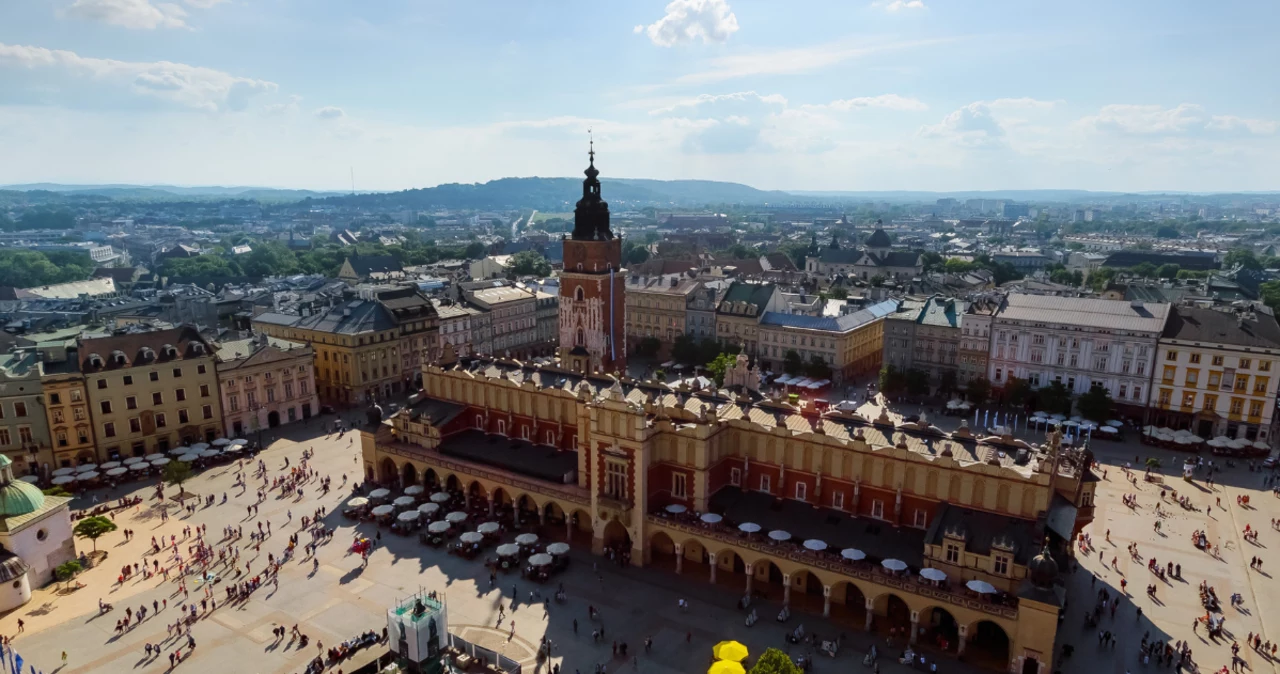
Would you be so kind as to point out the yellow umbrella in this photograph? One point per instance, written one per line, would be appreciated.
(726, 667)
(729, 650)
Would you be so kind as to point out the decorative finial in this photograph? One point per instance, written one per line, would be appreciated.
(591, 143)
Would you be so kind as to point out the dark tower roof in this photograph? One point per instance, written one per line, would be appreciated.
(1042, 569)
(591, 216)
(879, 238)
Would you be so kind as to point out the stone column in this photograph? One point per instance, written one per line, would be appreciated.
(679, 558)
(490, 507)
(466, 499)
(568, 527)
(515, 515)
(750, 577)
(711, 559)
(915, 625)
(542, 516)
(870, 615)
(964, 639)
(786, 588)
(826, 601)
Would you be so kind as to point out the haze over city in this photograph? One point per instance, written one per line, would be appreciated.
(883, 95)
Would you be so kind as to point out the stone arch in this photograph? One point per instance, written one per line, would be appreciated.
(940, 628)
(662, 551)
(848, 603)
(452, 483)
(615, 535)
(1002, 498)
(477, 490)
(528, 507)
(552, 512)
(583, 529)
(892, 614)
(408, 474)
(387, 471)
(988, 644)
(430, 479)
(807, 590)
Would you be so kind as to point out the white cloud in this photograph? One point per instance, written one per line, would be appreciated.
(1260, 127)
(705, 100)
(970, 126)
(690, 20)
(135, 14)
(898, 5)
(791, 61)
(204, 4)
(330, 112)
(1183, 119)
(886, 101)
(179, 83)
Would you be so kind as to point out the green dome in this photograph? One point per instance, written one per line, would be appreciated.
(20, 498)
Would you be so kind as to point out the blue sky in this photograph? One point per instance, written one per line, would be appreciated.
(824, 95)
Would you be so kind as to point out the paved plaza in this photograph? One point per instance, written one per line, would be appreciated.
(341, 599)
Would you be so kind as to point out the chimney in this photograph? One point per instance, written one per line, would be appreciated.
(1136, 304)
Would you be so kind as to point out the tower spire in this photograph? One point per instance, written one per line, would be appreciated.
(591, 151)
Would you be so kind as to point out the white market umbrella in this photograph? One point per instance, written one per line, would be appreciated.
(139, 467)
(488, 528)
(221, 442)
(676, 508)
(404, 501)
(179, 451)
(1087, 425)
(1057, 417)
(380, 493)
(1115, 422)
(508, 550)
(1039, 415)
(981, 586)
(853, 554)
(1183, 440)
(117, 471)
(1070, 423)
(64, 479)
(408, 515)
(1109, 430)
(557, 548)
(240, 442)
(1261, 445)
(815, 545)
(63, 471)
(894, 564)
(358, 502)
(109, 465)
(1220, 441)
(933, 574)
(779, 535)
(526, 539)
(413, 490)
(540, 559)
(456, 517)
(383, 510)
(439, 497)
(160, 462)
(1239, 443)
(153, 457)
(428, 508)
(210, 454)
(200, 446)
(231, 449)
(132, 460)
(711, 518)
(33, 478)
(749, 527)
(471, 537)
(86, 467)
(438, 527)
(185, 458)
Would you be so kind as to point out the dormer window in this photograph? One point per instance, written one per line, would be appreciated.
(197, 348)
(119, 358)
(169, 351)
(95, 360)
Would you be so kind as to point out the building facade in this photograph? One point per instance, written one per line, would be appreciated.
(24, 427)
(513, 318)
(265, 382)
(975, 338)
(455, 325)
(66, 404)
(739, 312)
(150, 392)
(700, 312)
(657, 309)
(1216, 373)
(850, 344)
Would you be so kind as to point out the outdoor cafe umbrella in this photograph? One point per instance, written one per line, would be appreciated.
(161, 461)
(557, 548)
(726, 667)
(380, 493)
(981, 586)
(779, 535)
(1057, 417)
(853, 554)
(200, 446)
(86, 476)
(527, 539)
(408, 515)
(32, 478)
(117, 471)
(748, 527)
(132, 460)
(210, 454)
(1115, 422)
(404, 501)
(488, 528)
(358, 502)
(86, 467)
(439, 497)
(109, 465)
(711, 518)
(456, 517)
(186, 458)
(676, 508)
(732, 651)
(140, 467)
(1239, 443)
(221, 442)
(438, 527)
(383, 510)
(1220, 441)
(64, 479)
(894, 564)
(63, 471)
(540, 559)
(153, 457)
(1260, 445)
(508, 550)
(413, 490)
(815, 545)
(471, 537)
(933, 574)
(179, 451)
(1109, 430)
(231, 449)
(428, 508)
(239, 441)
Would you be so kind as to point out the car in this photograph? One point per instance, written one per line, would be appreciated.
(326, 409)
(1270, 462)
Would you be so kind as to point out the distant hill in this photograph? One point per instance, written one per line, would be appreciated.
(559, 194)
(170, 192)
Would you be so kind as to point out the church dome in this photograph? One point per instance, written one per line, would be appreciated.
(17, 497)
(11, 566)
(879, 239)
(1042, 570)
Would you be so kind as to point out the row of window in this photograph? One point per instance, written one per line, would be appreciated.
(1123, 392)
(1243, 363)
(1240, 383)
(1210, 403)
(127, 379)
(135, 423)
(157, 398)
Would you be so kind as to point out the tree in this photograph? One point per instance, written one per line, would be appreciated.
(948, 382)
(892, 380)
(719, 365)
(957, 266)
(685, 350)
(648, 347)
(1095, 404)
(530, 263)
(46, 218)
(200, 265)
(1243, 257)
(791, 362)
(818, 368)
(1016, 390)
(932, 261)
(917, 382)
(1144, 270)
(1168, 232)
(1169, 271)
(68, 570)
(877, 280)
(838, 293)
(177, 472)
(634, 253)
(1269, 293)
(978, 390)
(94, 528)
(774, 661)
(271, 259)
(1055, 398)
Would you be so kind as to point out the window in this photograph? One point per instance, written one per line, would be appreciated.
(135, 426)
(678, 485)
(953, 553)
(1000, 565)
(502, 427)
(57, 416)
(55, 399)
(233, 401)
(1165, 396)
(1193, 377)
(1171, 355)
(181, 394)
(303, 387)
(78, 413)
(1124, 389)
(1217, 360)
(616, 479)
(19, 409)
(108, 430)
(128, 381)
(1264, 366)
(479, 420)
(131, 403)
(1255, 408)
(1237, 406)
(271, 394)
(837, 500)
(877, 509)
(4, 436)
(1168, 374)
(765, 486)
(161, 422)
(106, 406)
(200, 369)
(182, 417)
(204, 390)
(24, 434)
(208, 411)
(288, 390)
(177, 372)
(1137, 393)
(157, 398)
(1195, 358)
(802, 491)
(1242, 382)
(735, 477)
(1189, 399)
(62, 438)
(75, 395)
(154, 376)
(920, 519)
(1260, 385)
(1215, 378)
(1210, 402)
(1245, 363)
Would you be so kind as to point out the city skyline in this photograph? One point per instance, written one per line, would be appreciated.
(890, 95)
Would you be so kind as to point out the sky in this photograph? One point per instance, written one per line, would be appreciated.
(801, 95)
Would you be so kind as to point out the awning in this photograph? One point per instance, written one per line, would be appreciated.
(1061, 518)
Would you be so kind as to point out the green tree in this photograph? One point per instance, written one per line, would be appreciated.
(1055, 398)
(1095, 404)
(818, 368)
(271, 259)
(530, 263)
(177, 472)
(1269, 293)
(1100, 278)
(1168, 271)
(1016, 390)
(877, 280)
(648, 347)
(634, 253)
(1168, 232)
(917, 382)
(473, 251)
(1243, 257)
(200, 265)
(838, 293)
(1186, 274)
(94, 528)
(1145, 270)
(718, 366)
(892, 380)
(46, 218)
(957, 266)
(27, 268)
(978, 390)
(948, 382)
(932, 261)
(774, 661)
(68, 570)
(685, 350)
(791, 362)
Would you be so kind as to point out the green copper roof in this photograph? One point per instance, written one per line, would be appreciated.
(20, 498)
(5, 461)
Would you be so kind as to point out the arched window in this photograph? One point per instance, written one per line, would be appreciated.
(580, 339)
(578, 294)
